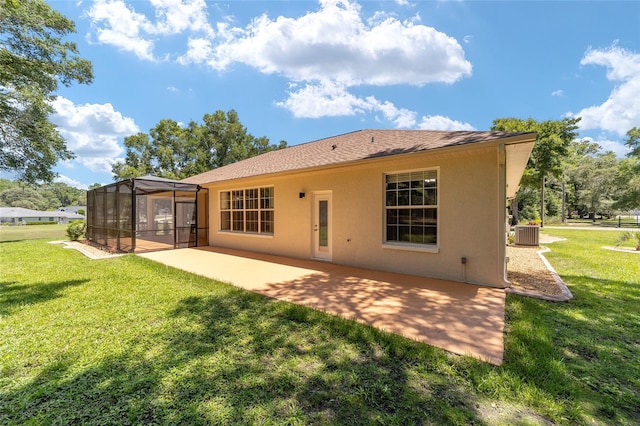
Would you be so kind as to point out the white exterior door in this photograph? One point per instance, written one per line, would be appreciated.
(322, 225)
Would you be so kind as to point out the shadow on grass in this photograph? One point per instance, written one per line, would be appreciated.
(603, 344)
(14, 295)
(584, 352)
(238, 358)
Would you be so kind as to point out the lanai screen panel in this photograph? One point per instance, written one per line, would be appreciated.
(125, 217)
(154, 216)
(147, 214)
(109, 216)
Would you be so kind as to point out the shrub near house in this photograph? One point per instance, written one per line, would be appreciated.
(76, 229)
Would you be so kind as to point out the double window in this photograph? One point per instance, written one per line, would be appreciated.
(411, 215)
(247, 210)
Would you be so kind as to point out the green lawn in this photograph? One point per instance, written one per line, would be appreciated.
(129, 341)
(30, 232)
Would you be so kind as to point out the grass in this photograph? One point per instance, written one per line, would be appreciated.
(129, 341)
(30, 232)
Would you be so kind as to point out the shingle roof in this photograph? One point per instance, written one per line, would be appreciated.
(14, 212)
(346, 148)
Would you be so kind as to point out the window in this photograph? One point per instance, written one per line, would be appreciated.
(247, 210)
(411, 215)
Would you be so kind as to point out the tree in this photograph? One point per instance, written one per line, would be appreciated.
(551, 147)
(26, 197)
(34, 59)
(628, 178)
(39, 197)
(628, 182)
(138, 158)
(63, 194)
(176, 152)
(633, 142)
(594, 180)
(579, 150)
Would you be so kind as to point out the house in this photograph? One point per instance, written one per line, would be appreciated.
(19, 215)
(425, 203)
(73, 209)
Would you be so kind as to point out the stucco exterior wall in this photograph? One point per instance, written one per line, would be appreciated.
(469, 216)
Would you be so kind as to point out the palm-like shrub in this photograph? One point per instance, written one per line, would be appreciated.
(629, 235)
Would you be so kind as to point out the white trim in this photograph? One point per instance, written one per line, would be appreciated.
(398, 245)
(424, 248)
(245, 234)
(244, 209)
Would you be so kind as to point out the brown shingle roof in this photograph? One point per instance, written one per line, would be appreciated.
(349, 147)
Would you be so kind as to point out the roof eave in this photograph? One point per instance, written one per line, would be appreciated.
(509, 140)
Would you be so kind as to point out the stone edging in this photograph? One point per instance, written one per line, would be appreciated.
(74, 245)
(565, 294)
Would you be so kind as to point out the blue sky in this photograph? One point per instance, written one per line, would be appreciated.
(304, 70)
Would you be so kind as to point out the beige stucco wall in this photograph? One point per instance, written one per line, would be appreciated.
(470, 216)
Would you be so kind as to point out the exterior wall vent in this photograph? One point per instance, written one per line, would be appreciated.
(527, 235)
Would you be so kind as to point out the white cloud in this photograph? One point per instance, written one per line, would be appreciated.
(327, 51)
(329, 99)
(606, 144)
(199, 50)
(323, 100)
(92, 132)
(439, 122)
(401, 117)
(621, 111)
(117, 24)
(334, 43)
(559, 93)
(71, 182)
(176, 16)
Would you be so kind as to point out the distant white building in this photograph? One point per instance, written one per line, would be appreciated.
(73, 209)
(19, 215)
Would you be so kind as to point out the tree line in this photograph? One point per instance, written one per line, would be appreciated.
(47, 196)
(570, 177)
(176, 152)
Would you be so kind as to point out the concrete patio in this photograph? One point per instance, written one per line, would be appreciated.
(460, 318)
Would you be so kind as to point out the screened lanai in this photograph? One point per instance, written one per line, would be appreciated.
(147, 213)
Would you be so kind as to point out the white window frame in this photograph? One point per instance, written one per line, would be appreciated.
(406, 245)
(237, 208)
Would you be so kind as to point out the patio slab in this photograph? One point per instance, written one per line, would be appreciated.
(460, 318)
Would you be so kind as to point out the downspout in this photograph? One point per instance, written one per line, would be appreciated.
(503, 282)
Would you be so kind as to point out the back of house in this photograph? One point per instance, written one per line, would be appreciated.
(426, 203)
